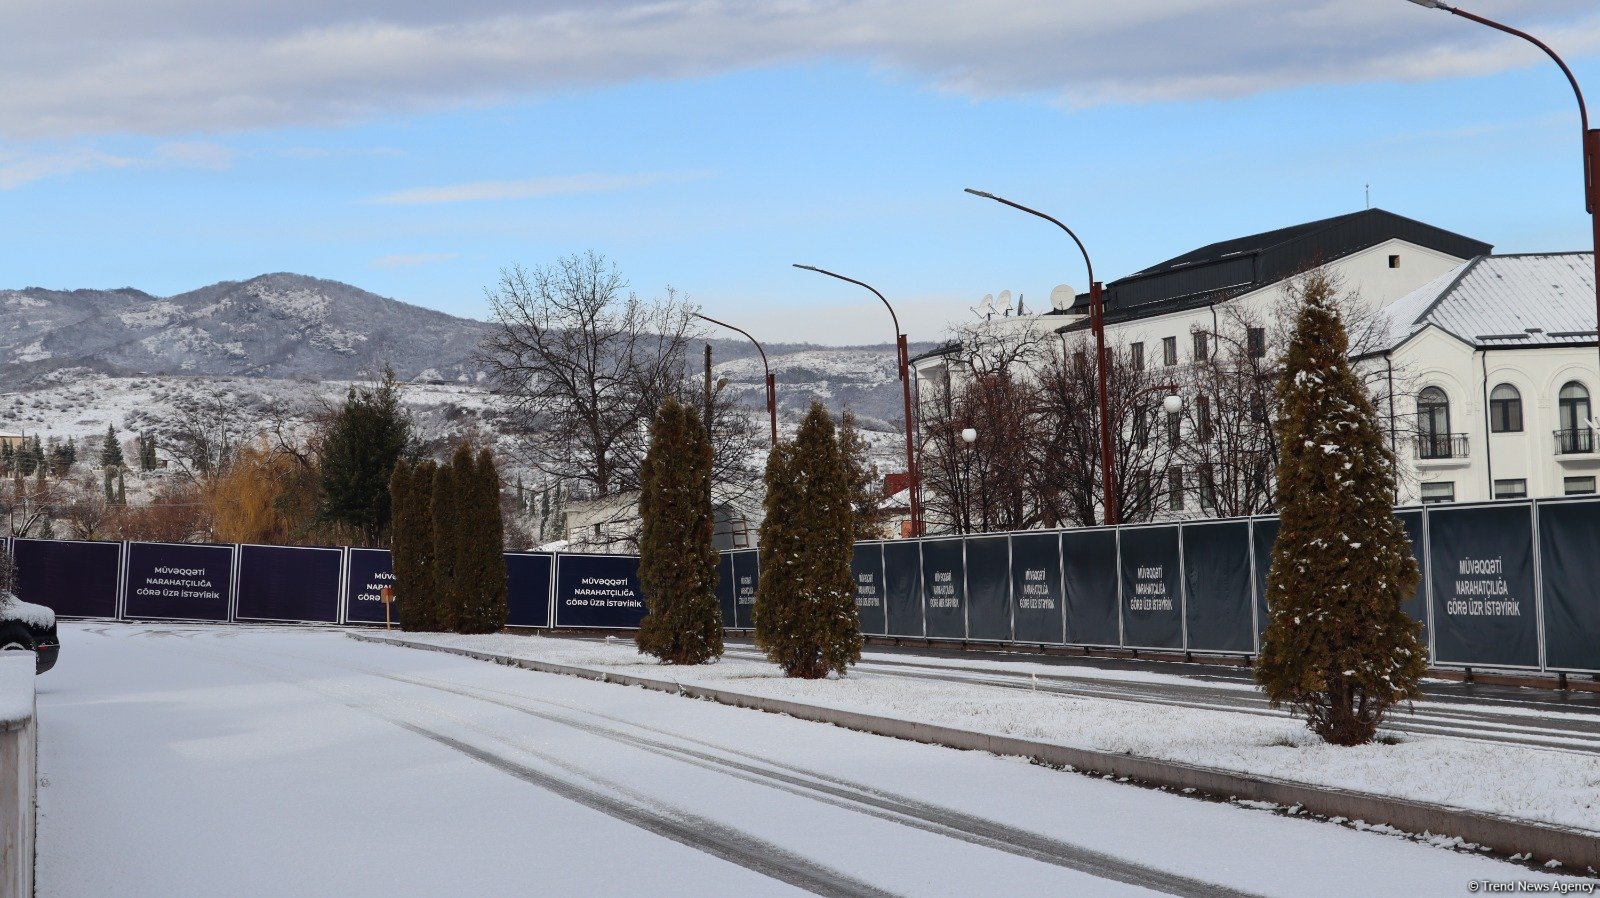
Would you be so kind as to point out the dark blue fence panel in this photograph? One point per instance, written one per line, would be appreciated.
(988, 565)
(1416, 604)
(866, 570)
(1483, 585)
(725, 598)
(281, 583)
(1569, 544)
(1152, 601)
(73, 579)
(370, 570)
(1263, 532)
(528, 589)
(1217, 575)
(598, 591)
(1090, 573)
(172, 581)
(902, 587)
(1036, 599)
(746, 577)
(944, 590)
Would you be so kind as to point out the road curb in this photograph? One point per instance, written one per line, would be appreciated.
(1573, 848)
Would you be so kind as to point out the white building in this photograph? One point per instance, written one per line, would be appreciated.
(1451, 319)
(1500, 362)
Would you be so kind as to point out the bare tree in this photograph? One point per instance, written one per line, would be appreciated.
(206, 426)
(584, 364)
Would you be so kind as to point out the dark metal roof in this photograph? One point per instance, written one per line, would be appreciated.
(1245, 264)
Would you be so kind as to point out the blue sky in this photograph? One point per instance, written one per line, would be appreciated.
(711, 170)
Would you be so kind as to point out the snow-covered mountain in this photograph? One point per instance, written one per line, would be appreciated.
(76, 360)
(275, 325)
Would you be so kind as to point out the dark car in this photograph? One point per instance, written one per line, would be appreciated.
(29, 628)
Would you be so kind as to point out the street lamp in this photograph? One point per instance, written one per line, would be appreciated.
(772, 388)
(969, 435)
(905, 386)
(1591, 139)
(1097, 321)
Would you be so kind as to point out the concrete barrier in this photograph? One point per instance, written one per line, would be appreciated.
(18, 774)
(1503, 836)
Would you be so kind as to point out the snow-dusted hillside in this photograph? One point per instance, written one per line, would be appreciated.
(299, 330)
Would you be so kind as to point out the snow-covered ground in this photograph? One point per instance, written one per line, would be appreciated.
(269, 761)
(1540, 784)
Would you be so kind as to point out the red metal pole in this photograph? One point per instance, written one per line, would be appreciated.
(772, 405)
(1097, 318)
(911, 441)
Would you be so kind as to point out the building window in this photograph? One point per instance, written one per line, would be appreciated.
(1511, 489)
(1573, 416)
(1169, 350)
(1258, 342)
(1202, 412)
(1202, 346)
(1578, 486)
(1141, 426)
(1505, 410)
(1433, 424)
(1174, 428)
(1136, 356)
(1175, 488)
(1438, 492)
(1208, 488)
(1394, 261)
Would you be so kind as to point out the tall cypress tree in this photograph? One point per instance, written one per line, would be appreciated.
(447, 537)
(1337, 648)
(411, 544)
(481, 573)
(805, 605)
(677, 557)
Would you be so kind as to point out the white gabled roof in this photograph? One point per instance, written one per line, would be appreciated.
(1518, 300)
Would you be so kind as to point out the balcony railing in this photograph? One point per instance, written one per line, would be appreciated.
(1574, 442)
(1430, 446)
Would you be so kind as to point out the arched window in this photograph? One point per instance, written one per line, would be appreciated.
(1573, 403)
(1505, 410)
(1433, 424)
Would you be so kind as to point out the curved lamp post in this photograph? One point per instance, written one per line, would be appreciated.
(1591, 138)
(905, 384)
(1097, 321)
(772, 388)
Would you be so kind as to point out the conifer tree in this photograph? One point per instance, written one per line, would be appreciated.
(369, 432)
(866, 488)
(411, 544)
(122, 490)
(677, 557)
(805, 606)
(111, 450)
(481, 568)
(447, 537)
(1337, 648)
(8, 457)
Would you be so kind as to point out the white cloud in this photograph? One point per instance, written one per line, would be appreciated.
(412, 260)
(18, 168)
(97, 66)
(529, 188)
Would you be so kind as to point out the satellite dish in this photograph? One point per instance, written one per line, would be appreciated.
(986, 305)
(1004, 301)
(1062, 297)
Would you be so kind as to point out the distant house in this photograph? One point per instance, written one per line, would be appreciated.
(610, 525)
(14, 440)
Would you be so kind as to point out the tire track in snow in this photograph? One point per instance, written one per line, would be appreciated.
(612, 799)
(803, 783)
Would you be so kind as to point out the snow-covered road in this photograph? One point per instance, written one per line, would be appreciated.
(213, 760)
